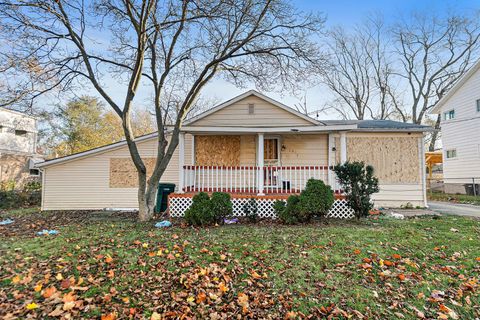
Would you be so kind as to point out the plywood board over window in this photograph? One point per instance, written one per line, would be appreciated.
(217, 150)
(123, 173)
(395, 159)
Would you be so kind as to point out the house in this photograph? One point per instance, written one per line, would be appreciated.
(460, 124)
(248, 146)
(18, 148)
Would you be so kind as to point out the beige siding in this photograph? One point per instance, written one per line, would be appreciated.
(83, 184)
(304, 149)
(248, 150)
(265, 115)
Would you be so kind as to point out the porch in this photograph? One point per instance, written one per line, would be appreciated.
(231, 162)
(178, 203)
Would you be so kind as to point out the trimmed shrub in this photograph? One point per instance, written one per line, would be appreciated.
(250, 210)
(315, 200)
(221, 206)
(200, 212)
(288, 213)
(359, 184)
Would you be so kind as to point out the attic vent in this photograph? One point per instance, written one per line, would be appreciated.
(251, 108)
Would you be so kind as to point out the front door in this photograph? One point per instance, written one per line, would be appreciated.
(271, 156)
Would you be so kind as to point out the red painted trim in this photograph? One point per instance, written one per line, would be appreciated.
(256, 168)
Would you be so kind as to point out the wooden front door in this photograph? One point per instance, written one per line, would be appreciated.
(271, 156)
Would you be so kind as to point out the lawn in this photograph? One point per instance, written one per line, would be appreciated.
(108, 266)
(457, 198)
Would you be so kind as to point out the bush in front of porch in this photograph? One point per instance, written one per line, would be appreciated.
(359, 183)
(315, 201)
(207, 211)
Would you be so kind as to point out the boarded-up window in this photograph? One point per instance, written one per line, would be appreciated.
(217, 150)
(395, 159)
(123, 173)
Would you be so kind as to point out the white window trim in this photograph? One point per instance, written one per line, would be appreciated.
(448, 112)
(451, 158)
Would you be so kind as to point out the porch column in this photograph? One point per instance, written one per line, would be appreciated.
(331, 159)
(343, 147)
(181, 161)
(260, 164)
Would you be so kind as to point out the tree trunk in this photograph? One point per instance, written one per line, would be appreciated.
(431, 147)
(146, 199)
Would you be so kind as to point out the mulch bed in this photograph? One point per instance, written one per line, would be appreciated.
(29, 225)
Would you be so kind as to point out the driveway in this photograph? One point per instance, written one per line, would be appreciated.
(455, 208)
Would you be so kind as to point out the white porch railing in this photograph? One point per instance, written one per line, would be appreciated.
(244, 179)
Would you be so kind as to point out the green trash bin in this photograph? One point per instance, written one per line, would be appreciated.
(164, 189)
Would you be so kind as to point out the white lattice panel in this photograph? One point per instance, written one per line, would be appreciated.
(178, 206)
(341, 210)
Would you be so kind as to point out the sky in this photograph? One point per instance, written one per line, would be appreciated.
(345, 13)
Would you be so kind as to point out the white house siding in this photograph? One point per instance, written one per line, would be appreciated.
(9, 141)
(265, 115)
(83, 183)
(462, 134)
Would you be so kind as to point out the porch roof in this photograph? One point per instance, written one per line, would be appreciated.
(295, 129)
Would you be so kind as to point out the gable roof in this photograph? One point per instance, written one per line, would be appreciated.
(460, 82)
(245, 95)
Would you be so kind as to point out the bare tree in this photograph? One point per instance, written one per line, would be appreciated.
(359, 71)
(434, 53)
(160, 42)
(347, 73)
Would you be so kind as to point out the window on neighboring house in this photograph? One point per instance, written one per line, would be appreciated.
(34, 172)
(478, 105)
(449, 115)
(21, 133)
(1, 129)
(452, 153)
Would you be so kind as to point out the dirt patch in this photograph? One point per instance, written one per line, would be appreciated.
(29, 224)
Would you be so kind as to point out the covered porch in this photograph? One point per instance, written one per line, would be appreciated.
(259, 161)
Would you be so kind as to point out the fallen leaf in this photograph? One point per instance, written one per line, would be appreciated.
(110, 316)
(16, 279)
(32, 306)
(48, 292)
(201, 297)
(155, 316)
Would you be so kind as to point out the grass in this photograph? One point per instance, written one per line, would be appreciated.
(458, 198)
(382, 268)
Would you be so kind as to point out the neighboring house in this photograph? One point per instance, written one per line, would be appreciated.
(248, 146)
(18, 146)
(460, 112)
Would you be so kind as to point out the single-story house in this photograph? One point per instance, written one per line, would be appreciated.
(251, 145)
